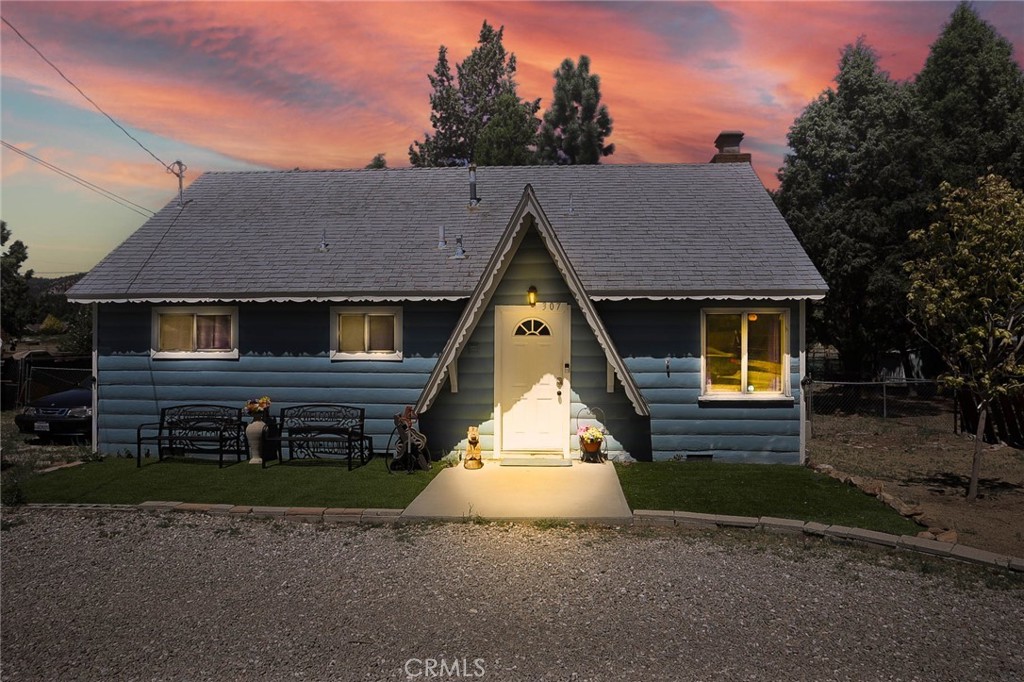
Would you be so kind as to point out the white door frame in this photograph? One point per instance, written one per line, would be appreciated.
(505, 316)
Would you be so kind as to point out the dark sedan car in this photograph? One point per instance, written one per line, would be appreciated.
(67, 414)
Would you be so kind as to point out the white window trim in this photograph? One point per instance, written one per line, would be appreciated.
(338, 356)
(787, 391)
(157, 354)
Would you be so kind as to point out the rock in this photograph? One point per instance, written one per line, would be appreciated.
(949, 536)
(906, 509)
(873, 488)
(926, 535)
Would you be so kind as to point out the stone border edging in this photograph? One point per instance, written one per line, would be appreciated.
(876, 488)
(309, 514)
(641, 517)
(948, 550)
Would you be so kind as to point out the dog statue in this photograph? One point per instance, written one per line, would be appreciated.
(473, 457)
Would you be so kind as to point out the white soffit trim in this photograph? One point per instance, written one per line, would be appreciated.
(710, 297)
(271, 299)
(494, 272)
(451, 297)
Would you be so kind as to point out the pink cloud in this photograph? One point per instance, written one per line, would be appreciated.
(331, 84)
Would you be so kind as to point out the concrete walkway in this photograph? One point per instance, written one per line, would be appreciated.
(582, 491)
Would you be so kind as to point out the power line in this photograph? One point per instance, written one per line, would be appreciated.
(156, 247)
(116, 198)
(89, 99)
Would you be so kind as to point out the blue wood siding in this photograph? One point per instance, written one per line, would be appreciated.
(284, 352)
(660, 343)
(446, 422)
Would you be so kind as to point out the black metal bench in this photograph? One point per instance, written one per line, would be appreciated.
(323, 431)
(195, 430)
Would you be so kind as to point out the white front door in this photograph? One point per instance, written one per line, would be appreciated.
(531, 366)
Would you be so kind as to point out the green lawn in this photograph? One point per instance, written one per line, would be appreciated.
(118, 481)
(783, 491)
(716, 488)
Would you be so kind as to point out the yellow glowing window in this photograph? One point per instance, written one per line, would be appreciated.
(744, 352)
(368, 334)
(195, 332)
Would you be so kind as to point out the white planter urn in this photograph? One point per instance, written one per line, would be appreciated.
(254, 434)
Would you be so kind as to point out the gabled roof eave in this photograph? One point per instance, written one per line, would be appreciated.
(494, 272)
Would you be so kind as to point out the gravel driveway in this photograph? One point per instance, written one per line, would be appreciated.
(135, 596)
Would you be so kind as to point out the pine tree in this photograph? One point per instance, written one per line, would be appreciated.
(850, 190)
(462, 109)
(446, 147)
(510, 134)
(15, 299)
(576, 124)
(973, 92)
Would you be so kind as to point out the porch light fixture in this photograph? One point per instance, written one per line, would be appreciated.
(531, 296)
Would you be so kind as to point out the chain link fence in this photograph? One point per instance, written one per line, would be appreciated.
(46, 380)
(831, 405)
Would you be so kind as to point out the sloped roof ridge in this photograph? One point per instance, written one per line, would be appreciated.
(566, 167)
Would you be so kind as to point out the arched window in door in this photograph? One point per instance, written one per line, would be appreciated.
(533, 327)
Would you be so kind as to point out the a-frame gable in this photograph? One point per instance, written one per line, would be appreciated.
(494, 272)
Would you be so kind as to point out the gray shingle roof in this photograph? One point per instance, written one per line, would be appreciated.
(696, 230)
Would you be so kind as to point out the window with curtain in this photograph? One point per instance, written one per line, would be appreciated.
(367, 334)
(195, 332)
(744, 352)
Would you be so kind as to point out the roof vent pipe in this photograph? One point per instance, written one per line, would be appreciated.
(473, 199)
(460, 253)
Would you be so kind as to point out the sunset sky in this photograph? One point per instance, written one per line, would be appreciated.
(268, 85)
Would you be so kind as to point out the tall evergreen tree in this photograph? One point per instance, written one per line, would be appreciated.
(973, 92)
(850, 190)
(576, 124)
(378, 162)
(462, 108)
(510, 134)
(446, 146)
(15, 299)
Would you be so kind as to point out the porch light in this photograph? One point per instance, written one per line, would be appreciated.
(531, 296)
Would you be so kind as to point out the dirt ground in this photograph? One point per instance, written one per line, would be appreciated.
(922, 462)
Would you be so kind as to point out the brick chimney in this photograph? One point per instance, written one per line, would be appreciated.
(728, 144)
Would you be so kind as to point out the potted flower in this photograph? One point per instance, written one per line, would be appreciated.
(257, 407)
(591, 438)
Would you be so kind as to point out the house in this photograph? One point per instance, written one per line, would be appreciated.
(665, 303)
